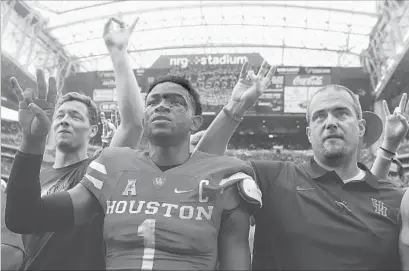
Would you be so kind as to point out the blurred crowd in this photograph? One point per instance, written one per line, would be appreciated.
(214, 84)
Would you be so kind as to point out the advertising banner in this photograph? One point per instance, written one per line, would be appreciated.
(299, 88)
(184, 61)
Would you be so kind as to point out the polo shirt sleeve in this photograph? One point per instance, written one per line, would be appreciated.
(267, 172)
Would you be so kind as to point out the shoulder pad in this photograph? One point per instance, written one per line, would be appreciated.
(104, 159)
(247, 187)
(250, 191)
(233, 179)
(3, 185)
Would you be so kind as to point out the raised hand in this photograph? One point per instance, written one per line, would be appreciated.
(396, 124)
(36, 107)
(118, 38)
(250, 86)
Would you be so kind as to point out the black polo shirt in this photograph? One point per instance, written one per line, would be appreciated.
(312, 220)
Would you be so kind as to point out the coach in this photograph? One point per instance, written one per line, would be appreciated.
(331, 212)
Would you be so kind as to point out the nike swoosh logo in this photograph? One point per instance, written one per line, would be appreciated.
(299, 188)
(182, 191)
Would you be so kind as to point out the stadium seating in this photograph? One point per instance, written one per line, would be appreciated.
(214, 84)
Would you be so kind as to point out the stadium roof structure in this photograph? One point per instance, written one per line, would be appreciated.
(292, 33)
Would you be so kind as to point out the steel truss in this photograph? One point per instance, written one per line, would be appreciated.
(388, 43)
(30, 45)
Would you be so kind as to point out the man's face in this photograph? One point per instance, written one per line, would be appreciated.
(71, 126)
(169, 115)
(393, 175)
(394, 178)
(334, 130)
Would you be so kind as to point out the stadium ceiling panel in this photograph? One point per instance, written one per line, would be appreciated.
(307, 33)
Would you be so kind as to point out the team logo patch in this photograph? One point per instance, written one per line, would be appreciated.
(158, 182)
(379, 207)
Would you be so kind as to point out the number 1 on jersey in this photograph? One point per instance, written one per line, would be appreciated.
(147, 231)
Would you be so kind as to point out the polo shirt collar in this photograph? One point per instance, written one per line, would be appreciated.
(315, 171)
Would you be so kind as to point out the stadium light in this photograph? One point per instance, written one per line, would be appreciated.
(9, 114)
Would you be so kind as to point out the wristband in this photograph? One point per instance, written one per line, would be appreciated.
(232, 116)
(393, 159)
(384, 157)
(387, 151)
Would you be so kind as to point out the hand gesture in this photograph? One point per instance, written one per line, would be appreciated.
(250, 86)
(36, 108)
(396, 124)
(118, 38)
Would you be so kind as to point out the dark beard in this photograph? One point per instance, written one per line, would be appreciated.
(339, 153)
(334, 158)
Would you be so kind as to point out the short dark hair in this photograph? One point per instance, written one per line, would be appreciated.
(89, 103)
(357, 104)
(186, 84)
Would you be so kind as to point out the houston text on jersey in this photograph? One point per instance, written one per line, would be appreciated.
(153, 207)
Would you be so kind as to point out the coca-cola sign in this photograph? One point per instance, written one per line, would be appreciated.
(307, 80)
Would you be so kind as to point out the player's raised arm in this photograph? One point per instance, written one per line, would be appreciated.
(404, 234)
(395, 129)
(26, 212)
(130, 103)
(245, 94)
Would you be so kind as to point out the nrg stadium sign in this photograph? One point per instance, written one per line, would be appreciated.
(184, 61)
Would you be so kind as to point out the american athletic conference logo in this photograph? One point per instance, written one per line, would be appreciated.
(379, 207)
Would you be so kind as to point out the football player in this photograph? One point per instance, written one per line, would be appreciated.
(164, 208)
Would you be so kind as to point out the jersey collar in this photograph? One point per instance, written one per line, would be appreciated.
(315, 171)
